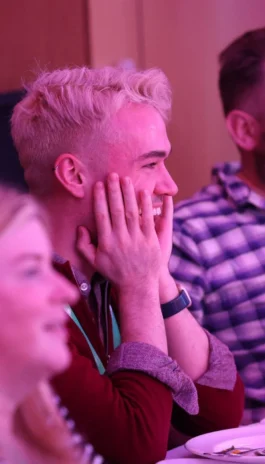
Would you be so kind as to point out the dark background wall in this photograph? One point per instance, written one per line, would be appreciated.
(10, 170)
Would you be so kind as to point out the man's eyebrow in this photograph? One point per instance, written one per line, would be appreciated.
(153, 154)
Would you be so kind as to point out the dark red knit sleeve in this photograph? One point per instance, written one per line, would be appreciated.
(218, 409)
(126, 417)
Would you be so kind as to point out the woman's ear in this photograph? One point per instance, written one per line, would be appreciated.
(69, 171)
(244, 129)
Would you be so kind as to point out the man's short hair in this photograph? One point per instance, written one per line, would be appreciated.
(67, 110)
(241, 71)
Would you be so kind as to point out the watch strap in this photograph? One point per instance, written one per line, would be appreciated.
(176, 305)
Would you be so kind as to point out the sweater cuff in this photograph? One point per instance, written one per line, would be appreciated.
(222, 370)
(150, 360)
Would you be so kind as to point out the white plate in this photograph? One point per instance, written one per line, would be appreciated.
(250, 436)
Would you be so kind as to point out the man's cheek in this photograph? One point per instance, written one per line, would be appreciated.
(143, 182)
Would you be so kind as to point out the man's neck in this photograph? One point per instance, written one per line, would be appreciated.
(68, 251)
(252, 173)
(64, 240)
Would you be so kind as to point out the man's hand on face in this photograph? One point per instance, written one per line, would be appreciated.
(164, 229)
(128, 251)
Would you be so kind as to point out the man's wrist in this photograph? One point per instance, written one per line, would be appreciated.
(168, 289)
(146, 290)
(140, 284)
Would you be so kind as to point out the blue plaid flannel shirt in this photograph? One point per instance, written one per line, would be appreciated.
(219, 256)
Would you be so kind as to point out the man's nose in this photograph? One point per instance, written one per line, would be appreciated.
(167, 185)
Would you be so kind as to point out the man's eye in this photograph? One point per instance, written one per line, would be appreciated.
(151, 165)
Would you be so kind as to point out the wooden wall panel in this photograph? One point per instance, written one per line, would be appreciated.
(184, 37)
(40, 33)
(113, 31)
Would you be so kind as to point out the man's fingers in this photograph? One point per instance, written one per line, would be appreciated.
(116, 205)
(147, 219)
(101, 211)
(130, 205)
(164, 227)
(84, 245)
(164, 222)
(167, 209)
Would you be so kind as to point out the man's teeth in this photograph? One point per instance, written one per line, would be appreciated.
(156, 211)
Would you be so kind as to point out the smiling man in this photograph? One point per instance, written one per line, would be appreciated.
(93, 145)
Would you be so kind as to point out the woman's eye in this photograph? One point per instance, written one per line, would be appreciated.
(31, 272)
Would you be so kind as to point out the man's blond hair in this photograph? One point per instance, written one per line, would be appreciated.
(65, 111)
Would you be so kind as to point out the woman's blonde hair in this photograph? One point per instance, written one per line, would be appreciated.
(38, 422)
(13, 201)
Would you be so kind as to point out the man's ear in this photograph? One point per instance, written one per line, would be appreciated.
(69, 171)
(244, 129)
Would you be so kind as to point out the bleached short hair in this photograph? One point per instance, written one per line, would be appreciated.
(64, 111)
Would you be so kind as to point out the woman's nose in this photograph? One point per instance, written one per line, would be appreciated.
(66, 291)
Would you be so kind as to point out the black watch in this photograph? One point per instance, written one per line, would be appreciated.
(176, 305)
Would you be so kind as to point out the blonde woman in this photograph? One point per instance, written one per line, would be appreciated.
(32, 340)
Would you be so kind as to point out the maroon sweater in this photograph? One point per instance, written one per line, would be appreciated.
(126, 416)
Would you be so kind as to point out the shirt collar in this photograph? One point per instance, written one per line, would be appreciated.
(226, 174)
(84, 285)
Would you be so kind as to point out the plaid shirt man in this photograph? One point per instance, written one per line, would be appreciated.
(219, 256)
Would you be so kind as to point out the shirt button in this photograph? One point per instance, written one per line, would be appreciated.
(83, 287)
